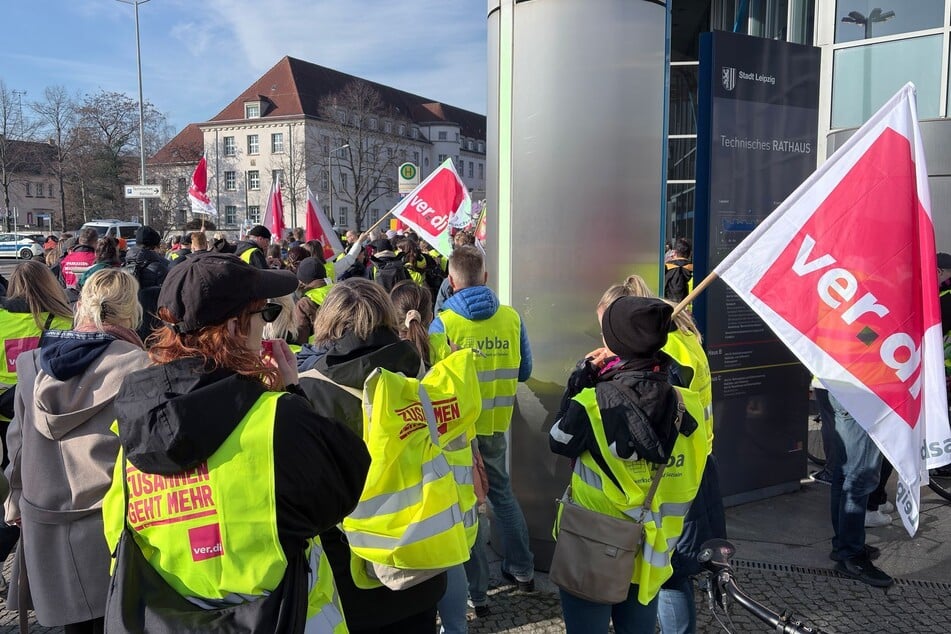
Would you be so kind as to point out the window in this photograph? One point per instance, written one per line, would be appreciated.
(416, 158)
(470, 145)
(254, 181)
(325, 142)
(167, 185)
(481, 172)
(389, 152)
(29, 189)
(252, 110)
(355, 119)
(343, 180)
(182, 186)
(231, 181)
(50, 190)
(443, 135)
(471, 168)
(403, 154)
(401, 130)
(277, 142)
(415, 133)
(388, 127)
(911, 16)
(231, 214)
(374, 215)
(457, 136)
(373, 123)
(342, 216)
(39, 190)
(230, 147)
(442, 158)
(481, 146)
(254, 144)
(342, 115)
(324, 181)
(277, 175)
(254, 213)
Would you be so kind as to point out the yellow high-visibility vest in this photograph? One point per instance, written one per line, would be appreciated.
(594, 490)
(684, 348)
(498, 339)
(211, 536)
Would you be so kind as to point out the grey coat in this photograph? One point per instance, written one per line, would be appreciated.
(62, 455)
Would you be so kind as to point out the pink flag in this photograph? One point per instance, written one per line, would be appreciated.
(274, 215)
(844, 272)
(198, 191)
(427, 208)
(318, 227)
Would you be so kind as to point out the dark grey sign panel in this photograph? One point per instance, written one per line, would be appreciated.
(759, 102)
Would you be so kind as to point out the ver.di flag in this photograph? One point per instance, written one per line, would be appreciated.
(274, 215)
(844, 272)
(318, 227)
(198, 191)
(428, 208)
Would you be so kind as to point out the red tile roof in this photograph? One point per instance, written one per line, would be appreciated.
(187, 147)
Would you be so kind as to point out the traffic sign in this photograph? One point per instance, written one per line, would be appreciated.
(143, 191)
(409, 178)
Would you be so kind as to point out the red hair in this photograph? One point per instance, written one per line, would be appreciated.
(219, 348)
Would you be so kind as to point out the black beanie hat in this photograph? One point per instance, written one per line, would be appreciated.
(147, 237)
(310, 269)
(636, 327)
(260, 231)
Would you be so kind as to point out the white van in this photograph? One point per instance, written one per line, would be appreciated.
(114, 229)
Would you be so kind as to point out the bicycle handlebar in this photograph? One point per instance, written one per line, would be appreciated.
(715, 555)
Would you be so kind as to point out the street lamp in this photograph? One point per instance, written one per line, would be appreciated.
(876, 15)
(330, 178)
(138, 60)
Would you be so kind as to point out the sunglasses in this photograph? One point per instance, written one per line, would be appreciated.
(270, 312)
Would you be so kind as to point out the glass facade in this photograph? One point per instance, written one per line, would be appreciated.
(864, 19)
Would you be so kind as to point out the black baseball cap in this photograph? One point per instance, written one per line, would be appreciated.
(208, 288)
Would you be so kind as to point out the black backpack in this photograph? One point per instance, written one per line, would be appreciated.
(677, 279)
(390, 272)
(434, 275)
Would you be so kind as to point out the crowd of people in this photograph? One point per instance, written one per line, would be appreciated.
(267, 436)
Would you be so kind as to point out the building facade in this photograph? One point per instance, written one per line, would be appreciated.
(32, 188)
(312, 127)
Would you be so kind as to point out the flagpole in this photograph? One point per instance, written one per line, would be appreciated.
(699, 288)
(377, 223)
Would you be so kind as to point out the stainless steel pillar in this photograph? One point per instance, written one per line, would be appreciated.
(574, 191)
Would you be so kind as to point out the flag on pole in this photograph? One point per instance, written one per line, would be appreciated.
(198, 191)
(480, 226)
(318, 227)
(427, 208)
(274, 215)
(844, 272)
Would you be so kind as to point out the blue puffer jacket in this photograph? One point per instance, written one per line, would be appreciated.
(478, 303)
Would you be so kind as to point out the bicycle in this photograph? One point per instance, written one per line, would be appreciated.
(715, 555)
(815, 450)
(939, 481)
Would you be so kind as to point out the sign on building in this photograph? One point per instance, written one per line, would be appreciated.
(143, 191)
(409, 178)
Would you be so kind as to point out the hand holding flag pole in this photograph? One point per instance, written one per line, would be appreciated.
(699, 288)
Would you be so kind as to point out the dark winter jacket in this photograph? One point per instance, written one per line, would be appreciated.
(257, 257)
(148, 266)
(173, 417)
(349, 362)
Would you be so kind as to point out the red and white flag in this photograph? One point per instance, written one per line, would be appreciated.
(198, 191)
(274, 215)
(480, 228)
(318, 227)
(844, 272)
(427, 208)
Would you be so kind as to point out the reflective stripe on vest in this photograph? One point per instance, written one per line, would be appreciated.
(663, 523)
(22, 334)
(498, 338)
(324, 610)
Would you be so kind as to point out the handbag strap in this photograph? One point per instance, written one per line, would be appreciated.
(649, 498)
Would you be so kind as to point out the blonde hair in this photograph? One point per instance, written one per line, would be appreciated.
(467, 267)
(635, 286)
(414, 312)
(199, 241)
(34, 283)
(355, 305)
(284, 324)
(109, 296)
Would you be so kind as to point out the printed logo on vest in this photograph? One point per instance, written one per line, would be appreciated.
(205, 542)
(14, 347)
(445, 412)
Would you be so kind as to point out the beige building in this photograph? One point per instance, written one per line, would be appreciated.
(34, 196)
(313, 126)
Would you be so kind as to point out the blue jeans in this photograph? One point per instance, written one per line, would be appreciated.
(517, 558)
(477, 567)
(854, 476)
(452, 606)
(629, 617)
(676, 608)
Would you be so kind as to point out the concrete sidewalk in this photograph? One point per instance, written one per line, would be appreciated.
(782, 560)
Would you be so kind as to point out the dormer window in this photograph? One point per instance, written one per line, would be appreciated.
(252, 110)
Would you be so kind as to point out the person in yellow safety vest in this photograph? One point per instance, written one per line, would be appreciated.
(618, 426)
(34, 303)
(356, 332)
(473, 318)
(314, 287)
(226, 497)
(706, 519)
(414, 313)
(253, 248)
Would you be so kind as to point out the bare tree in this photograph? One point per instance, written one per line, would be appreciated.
(358, 118)
(57, 117)
(16, 156)
(296, 164)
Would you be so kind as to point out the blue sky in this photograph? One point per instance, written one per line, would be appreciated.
(198, 55)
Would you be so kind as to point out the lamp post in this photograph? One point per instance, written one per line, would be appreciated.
(330, 179)
(876, 15)
(138, 60)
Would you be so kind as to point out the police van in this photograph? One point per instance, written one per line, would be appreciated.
(114, 229)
